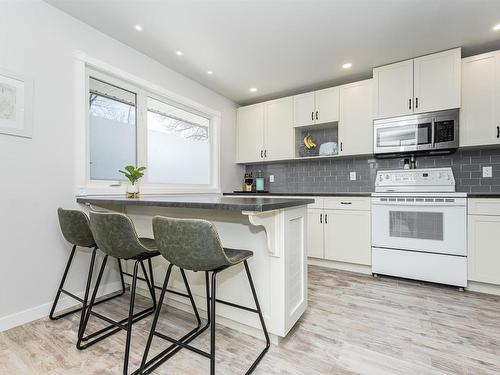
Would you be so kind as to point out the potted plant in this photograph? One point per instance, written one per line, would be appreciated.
(133, 174)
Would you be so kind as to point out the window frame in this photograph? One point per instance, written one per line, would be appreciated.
(86, 67)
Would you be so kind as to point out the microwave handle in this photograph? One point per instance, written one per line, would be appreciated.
(433, 132)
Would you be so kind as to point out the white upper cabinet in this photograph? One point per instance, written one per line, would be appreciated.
(250, 133)
(279, 133)
(393, 90)
(428, 83)
(356, 119)
(303, 109)
(316, 107)
(437, 81)
(480, 112)
(327, 105)
(265, 131)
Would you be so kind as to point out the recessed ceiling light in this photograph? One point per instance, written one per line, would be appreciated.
(496, 27)
(253, 89)
(179, 53)
(209, 72)
(346, 66)
(138, 27)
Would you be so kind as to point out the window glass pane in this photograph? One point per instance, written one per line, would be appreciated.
(112, 122)
(178, 145)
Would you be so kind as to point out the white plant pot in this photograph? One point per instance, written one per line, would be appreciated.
(132, 190)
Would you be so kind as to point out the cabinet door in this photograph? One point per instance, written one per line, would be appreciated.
(315, 233)
(393, 90)
(480, 112)
(484, 250)
(279, 140)
(250, 127)
(327, 105)
(303, 109)
(356, 119)
(348, 236)
(437, 80)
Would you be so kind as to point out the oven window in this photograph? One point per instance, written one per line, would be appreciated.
(417, 225)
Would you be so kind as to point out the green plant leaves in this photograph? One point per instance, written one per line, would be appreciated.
(132, 173)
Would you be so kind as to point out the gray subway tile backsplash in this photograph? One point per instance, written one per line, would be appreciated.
(332, 175)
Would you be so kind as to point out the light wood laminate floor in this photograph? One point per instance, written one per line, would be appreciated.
(355, 324)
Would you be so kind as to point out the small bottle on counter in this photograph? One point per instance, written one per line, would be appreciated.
(259, 182)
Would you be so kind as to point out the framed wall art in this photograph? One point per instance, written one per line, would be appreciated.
(16, 104)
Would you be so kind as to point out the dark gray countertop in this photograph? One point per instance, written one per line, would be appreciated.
(339, 194)
(208, 201)
(483, 195)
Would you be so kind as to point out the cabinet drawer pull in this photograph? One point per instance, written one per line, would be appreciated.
(341, 146)
(261, 153)
(326, 218)
(409, 103)
(316, 115)
(345, 202)
(321, 218)
(498, 131)
(416, 102)
(265, 153)
(312, 115)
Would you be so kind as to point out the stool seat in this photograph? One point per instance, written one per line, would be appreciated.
(236, 256)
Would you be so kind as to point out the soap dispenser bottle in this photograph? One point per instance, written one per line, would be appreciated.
(259, 182)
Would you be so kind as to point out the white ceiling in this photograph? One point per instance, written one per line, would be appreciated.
(286, 47)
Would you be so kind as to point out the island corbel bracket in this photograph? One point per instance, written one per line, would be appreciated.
(273, 223)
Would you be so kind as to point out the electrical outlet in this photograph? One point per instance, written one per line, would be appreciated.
(352, 176)
(488, 171)
(271, 178)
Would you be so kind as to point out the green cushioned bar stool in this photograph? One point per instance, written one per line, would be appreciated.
(115, 235)
(76, 230)
(193, 244)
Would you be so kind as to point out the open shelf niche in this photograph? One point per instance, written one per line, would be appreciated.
(320, 134)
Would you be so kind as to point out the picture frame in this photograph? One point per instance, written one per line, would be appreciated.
(16, 104)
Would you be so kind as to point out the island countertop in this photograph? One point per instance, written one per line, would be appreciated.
(203, 201)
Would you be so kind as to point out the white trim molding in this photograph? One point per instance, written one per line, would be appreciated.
(83, 184)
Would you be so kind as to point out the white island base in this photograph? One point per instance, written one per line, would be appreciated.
(279, 265)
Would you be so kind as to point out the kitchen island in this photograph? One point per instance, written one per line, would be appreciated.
(273, 228)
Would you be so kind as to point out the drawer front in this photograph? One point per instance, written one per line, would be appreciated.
(484, 206)
(347, 203)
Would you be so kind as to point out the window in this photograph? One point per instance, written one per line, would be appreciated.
(178, 145)
(112, 130)
(131, 125)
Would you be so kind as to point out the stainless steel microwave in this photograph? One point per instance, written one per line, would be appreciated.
(433, 131)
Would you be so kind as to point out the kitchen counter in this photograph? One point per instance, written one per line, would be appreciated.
(212, 202)
(483, 195)
(333, 194)
(274, 229)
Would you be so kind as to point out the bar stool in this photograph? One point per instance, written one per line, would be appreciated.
(116, 236)
(75, 229)
(193, 244)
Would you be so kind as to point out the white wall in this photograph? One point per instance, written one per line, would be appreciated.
(37, 174)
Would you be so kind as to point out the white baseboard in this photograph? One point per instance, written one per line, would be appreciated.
(42, 311)
(475, 286)
(351, 267)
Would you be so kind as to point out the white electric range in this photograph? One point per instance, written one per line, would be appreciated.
(419, 226)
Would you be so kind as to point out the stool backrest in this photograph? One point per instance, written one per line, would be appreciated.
(115, 234)
(191, 244)
(75, 227)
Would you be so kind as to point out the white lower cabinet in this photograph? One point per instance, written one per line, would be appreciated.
(483, 244)
(347, 236)
(315, 233)
(341, 230)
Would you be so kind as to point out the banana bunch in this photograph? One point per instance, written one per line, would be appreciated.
(308, 142)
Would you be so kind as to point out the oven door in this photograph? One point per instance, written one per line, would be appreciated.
(434, 225)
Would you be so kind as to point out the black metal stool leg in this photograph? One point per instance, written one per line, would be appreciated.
(155, 319)
(61, 285)
(262, 323)
(149, 283)
(121, 276)
(87, 289)
(92, 301)
(131, 314)
(212, 323)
